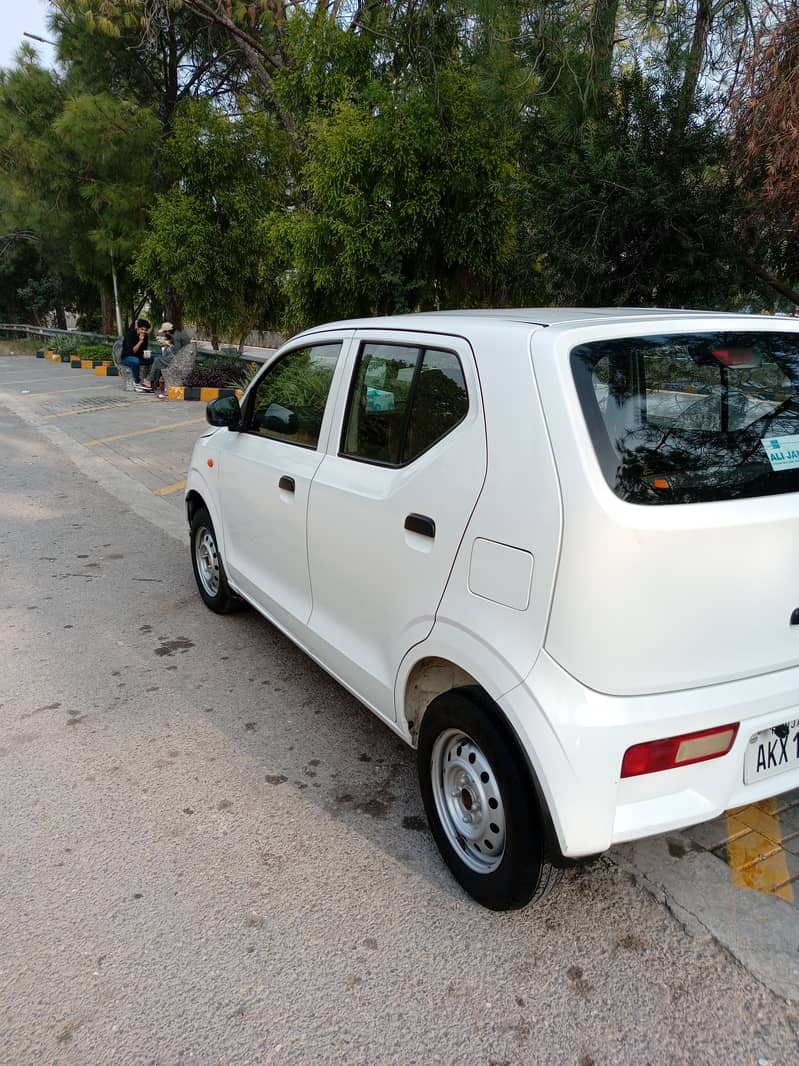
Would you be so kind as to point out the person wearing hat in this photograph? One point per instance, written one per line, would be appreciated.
(169, 345)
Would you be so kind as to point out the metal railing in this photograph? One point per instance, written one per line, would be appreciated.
(43, 332)
(250, 353)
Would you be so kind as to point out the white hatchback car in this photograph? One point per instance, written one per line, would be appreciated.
(556, 551)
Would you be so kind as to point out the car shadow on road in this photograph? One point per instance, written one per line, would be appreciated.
(308, 734)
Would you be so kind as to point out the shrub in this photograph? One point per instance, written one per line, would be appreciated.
(212, 371)
(213, 376)
(63, 345)
(96, 352)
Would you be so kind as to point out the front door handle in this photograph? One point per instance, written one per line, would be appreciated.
(287, 483)
(420, 523)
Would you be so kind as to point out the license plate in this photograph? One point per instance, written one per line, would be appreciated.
(772, 752)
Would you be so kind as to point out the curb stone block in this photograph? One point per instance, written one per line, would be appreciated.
(180, 392)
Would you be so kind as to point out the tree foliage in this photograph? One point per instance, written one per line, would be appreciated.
(203, 243)
(767, 118)
(270, 163)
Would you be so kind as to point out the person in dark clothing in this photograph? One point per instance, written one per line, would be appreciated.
(134, 347)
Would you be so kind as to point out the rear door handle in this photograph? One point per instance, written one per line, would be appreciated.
(287, 483)
(420, 523)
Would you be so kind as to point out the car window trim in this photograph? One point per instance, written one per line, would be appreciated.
(343, 340)
(422, 346)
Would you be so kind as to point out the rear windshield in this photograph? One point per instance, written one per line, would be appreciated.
(693, 417)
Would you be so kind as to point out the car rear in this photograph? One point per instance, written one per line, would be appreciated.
(670, 675)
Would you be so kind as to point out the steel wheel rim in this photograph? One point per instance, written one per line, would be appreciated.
(207, 557)
(468, 800)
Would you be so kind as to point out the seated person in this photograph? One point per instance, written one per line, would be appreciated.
(134, 346)
(170, 342)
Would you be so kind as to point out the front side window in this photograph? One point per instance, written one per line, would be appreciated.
(686, 418)
(403, 400)
(289, 400)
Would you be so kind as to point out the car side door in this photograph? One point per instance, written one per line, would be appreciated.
(266, 469)
(390, 502)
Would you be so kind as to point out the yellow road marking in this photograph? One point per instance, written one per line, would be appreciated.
(167, 490)
(757, 859)
(143, 432)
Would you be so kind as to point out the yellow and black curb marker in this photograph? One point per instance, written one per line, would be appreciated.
(89, 364)
(181, 392)
(108, 370)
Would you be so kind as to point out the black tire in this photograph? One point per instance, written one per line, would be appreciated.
(471, 769)
(209, 570)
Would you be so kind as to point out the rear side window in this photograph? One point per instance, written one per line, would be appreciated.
(693, 417)
(403, 400)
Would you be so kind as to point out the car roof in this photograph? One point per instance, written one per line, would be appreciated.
(439, 321)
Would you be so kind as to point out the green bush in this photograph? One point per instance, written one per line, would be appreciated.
(96, 352)
(63, 345)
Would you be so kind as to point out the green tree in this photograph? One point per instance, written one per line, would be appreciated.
(203, 241)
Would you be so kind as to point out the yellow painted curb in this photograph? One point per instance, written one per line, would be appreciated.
(87, 364)
(757, 858)
(206, 395)
(178, 392)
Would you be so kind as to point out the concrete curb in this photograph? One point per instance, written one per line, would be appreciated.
(181, 392)
(759, 931)
(175, 392)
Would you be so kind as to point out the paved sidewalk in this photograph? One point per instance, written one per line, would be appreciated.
(734, 878)
(136, 446)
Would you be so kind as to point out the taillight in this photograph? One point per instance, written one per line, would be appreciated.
(683, 750)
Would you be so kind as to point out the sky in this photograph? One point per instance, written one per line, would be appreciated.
(17, 16)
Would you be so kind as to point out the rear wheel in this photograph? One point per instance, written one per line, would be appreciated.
(209, 571)
(481, 803)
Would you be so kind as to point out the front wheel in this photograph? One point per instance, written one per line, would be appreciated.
(209, 571)
(481, 803)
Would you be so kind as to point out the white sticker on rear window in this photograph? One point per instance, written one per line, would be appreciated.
(782, 452)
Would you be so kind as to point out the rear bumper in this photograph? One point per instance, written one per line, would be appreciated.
(575, 740)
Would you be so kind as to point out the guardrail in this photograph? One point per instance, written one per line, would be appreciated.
(43, 332)
(250, 352)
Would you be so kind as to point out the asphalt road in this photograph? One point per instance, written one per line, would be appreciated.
(210, 853)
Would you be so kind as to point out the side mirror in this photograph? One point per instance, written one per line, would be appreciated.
(225, 411)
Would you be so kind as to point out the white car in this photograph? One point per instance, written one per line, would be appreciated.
(556, 551)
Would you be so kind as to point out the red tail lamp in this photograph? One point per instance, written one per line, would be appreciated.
(683, 750)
